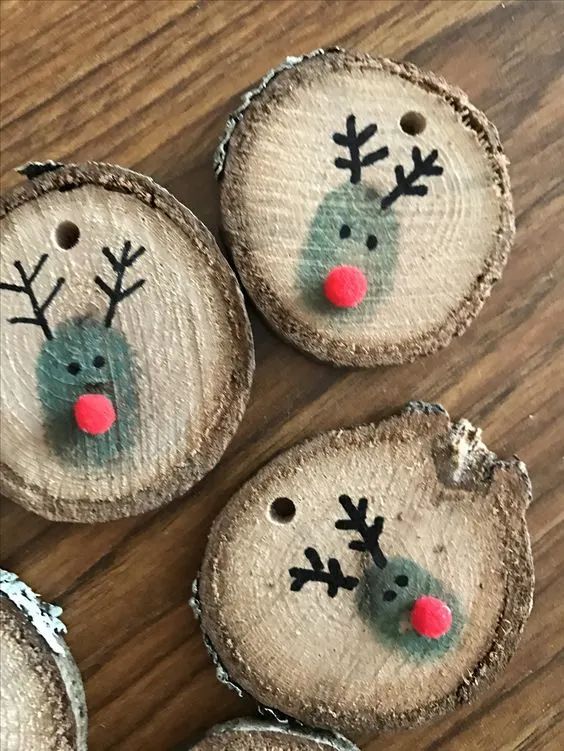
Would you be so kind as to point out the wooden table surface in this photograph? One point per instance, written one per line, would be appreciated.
(148, 85)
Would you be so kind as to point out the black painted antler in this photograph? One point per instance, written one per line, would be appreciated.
(333, 577)
(118, 293)
(406, 185)
(370, 534)
(353, 141)
(26, 287)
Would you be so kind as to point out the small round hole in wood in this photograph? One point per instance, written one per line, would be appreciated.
(282, 510)
(413, 123)
(67, 235)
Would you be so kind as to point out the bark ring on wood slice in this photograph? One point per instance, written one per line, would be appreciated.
(43, 706)
(128, 358)
(371, 578)
(366, 204)
(250, 734)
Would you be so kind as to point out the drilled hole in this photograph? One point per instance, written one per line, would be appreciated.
(413, 123)
(67, 235)
(282, 510)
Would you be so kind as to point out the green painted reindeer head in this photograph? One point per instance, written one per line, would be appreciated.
(347, 264)
(85, 371)
(405, 605)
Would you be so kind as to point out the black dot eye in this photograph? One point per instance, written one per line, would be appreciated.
(99, 361)
(344, 232)
(371, 242)
(402, 580)
(390, 595)
(73, 368)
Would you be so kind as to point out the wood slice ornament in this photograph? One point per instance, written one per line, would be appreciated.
(43, 707)
(249, 734)
(126, 350)
(372, 578)
(367, 206)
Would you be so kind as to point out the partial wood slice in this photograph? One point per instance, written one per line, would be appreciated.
(367, 205)
(136, 371)
(249, 734)
(371, 578)
(43, 707)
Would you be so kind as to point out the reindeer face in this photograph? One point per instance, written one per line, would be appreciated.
(87, 387)
(350, 254)
(408, 608)
(406, 605)
(85, 368)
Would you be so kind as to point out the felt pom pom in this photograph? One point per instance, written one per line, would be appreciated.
(94, 413)
(431, 617)
(345, 286)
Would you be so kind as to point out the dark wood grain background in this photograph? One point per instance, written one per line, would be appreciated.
(148, 85)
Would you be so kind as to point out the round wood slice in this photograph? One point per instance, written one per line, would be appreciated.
(371, 578)
(127, 359)
(367, 205)
(249, 734)
(43, 707)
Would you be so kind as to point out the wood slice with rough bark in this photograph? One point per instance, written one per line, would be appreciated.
(367, 206)
(126, 349)
(249, 734)
(372, 578)
(43, 707)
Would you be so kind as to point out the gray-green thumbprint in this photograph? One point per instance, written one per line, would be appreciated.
(349, 229)
(86, 357)
(386, 598)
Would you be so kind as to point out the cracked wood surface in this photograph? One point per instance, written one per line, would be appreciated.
(149, 85)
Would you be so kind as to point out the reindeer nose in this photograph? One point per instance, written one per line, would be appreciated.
(345, 286)
(94, 413)
(431, 617)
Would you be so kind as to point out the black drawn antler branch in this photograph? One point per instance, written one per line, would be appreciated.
(406, 185)
(26, 287)
(353, 141)
(370, 534)
(333, 576)
(118, 293)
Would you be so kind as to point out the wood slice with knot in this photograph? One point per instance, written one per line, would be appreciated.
(43, 707)
(367, 206)
(249, 734)
(126, 349)
(372, 578)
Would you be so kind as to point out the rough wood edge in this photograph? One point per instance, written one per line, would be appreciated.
(220, 154)
(282, 320)
(44, 618)
(221, 672)
(291, 730)
(228, 416)
(470, 453)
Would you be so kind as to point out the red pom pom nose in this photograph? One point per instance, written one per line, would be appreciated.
(94, 413)
(345, 286)
(431, 617)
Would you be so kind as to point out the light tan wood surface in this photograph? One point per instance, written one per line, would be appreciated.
(149, 85)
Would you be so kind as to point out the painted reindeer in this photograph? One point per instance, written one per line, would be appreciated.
(404, 604)
(85, 372)
(351, 250)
